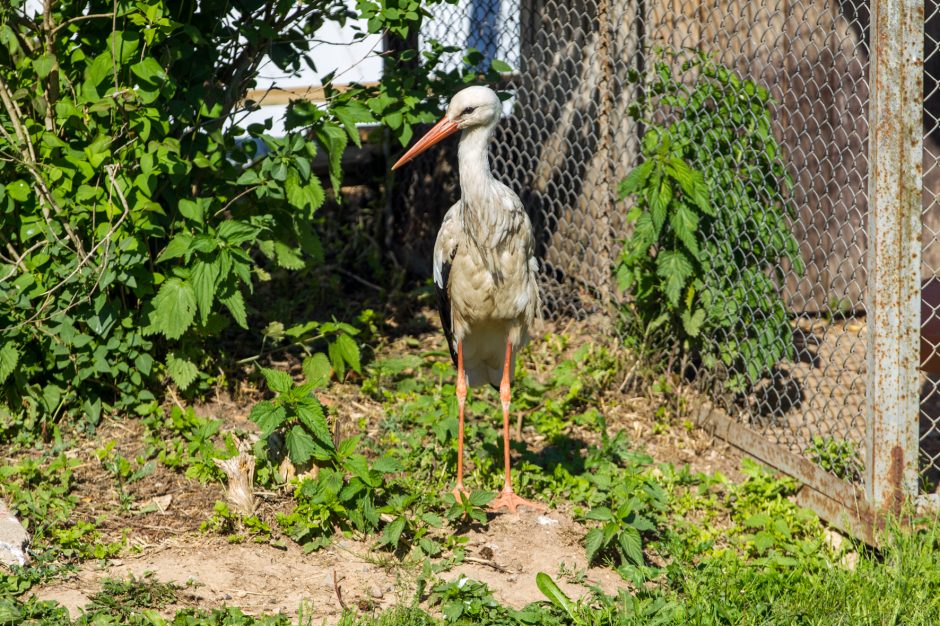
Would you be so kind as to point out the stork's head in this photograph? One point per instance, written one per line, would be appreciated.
(472, 107)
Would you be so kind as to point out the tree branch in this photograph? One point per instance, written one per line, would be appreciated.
(79, 18)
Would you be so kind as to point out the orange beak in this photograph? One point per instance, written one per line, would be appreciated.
(444, 128)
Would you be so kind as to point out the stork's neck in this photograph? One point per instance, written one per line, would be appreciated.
(476, 180)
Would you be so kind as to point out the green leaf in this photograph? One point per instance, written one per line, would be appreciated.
(684, 224)
(349, 352)
(235, 304)
(204, 278)
(601, 514)
(351, 113)
(235, 233)
(334, 140)
(392, 532)
(631, 544)
(182, 371)
(191, 209)
(308, 197)
(278, 381)
(500, 66)
(149, 71)
(174, 308)
(9, 357)
(593, 542)
(287, 256)
(482, 498)
(358, 465)
(318, 370)
(675, 268)
(692, 323)
(18, 190)
(555, 595)
(267, 416)
(44, 64)
(300, 445)
(680, 171)
(659, 200)
(177, 247)
(312, 417)
(635, 179)
(101, 66)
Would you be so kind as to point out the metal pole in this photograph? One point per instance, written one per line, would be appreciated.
(894, 244)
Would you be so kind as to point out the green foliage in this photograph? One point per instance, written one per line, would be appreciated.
(349, 494)
(40, 493)
(123, 598)
(296, 414)
(182, 440)
(470, 508)
(836, 456)
(555, 595)
(236, 527)
(710, 223)
(124, 470)
(467, 601)
(342, 355)
(135, 219)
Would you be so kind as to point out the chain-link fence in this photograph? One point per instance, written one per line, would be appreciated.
(836, 416)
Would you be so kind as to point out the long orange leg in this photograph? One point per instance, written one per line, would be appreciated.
(461, 402)
(507, 497)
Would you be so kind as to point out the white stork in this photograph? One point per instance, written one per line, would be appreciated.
(484, 269)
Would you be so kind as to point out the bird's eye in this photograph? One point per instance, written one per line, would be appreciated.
(468, 110)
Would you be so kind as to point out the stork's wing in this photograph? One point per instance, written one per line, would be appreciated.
(444, 250)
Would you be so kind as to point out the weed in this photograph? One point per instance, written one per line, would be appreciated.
(123, 598)
(183, 440)
(124, 471)
(839, 457)
(469, 509)
(710, 223)
(40, 493)
(236, 527)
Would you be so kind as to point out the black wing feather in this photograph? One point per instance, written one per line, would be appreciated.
(443, 304)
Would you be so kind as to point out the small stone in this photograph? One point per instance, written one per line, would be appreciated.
(163, 502)
(376, 592)
(849, 560)
(833, 539)
(13, 538)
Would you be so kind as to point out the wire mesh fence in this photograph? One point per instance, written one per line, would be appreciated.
(568, 139)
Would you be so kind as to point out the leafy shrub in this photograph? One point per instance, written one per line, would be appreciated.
(137, 215)
(710, 222)
(135, 219)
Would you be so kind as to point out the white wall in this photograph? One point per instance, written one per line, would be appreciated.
(353, 62)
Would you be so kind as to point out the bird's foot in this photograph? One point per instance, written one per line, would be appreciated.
(460, 493)
(507, 499)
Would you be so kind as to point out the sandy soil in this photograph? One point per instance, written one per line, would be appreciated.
(262, 579)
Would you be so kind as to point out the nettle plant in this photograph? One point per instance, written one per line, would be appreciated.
(711, 223)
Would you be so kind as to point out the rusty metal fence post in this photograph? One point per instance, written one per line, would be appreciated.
(894, 250)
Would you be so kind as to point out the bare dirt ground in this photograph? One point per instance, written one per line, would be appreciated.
(162, 527)
(263, 579)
